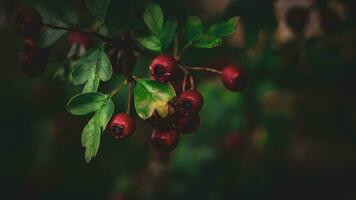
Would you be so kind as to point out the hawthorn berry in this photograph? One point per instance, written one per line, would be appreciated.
(297, 18)
(122, 126)
(27, 21)
(190, 101)
(33, 59)
(164, 141)
(162, 124)
(234, 78)
(79, 38)
(162, 68)
(187, 123)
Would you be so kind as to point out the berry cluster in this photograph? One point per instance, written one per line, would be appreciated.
(183, 113)
(33, 59)
(183, 117)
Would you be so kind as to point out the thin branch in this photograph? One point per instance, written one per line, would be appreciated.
(117, 89)
(204, 69)
(88, 33)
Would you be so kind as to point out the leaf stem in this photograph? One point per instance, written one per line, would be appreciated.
(204, 69)
(176, 48)
(118, 88)
(129, 99)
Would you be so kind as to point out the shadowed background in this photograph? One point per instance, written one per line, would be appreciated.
(289, 135)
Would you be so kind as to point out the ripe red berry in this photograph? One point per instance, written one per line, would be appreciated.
(122, 126)
(27, 21)
(297, 18)
(162, 68)
(79, 38)
(234, 78)
(187, 124)
(33, 59)
(162, 124)
(165, 141)
(190, 101)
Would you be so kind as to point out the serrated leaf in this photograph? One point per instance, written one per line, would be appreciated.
(152, 96)
(94, 63)
(207, 42)
(103, 66)
(151, 42)
(98, 8)
(92, 131)
(86, 103)
(223, 29)
(168, 32)
(91, 85)
(153, 17)
(194, 29)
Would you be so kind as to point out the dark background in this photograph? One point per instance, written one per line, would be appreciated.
(295, 122)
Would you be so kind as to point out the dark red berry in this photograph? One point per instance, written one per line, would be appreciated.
(163, 124)
(165, 141)
(190, 101)
(232, 142)
(162, 68)
(27, 21)
(122, 126)
(297, 18)
(187, 124)
(33, 59)
(79, 38)
(234, 78)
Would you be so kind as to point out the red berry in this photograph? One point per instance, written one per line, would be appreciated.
(190, 101)
(232, 142)
(165, 141)
(79, 38)
(33, 59)
(297, 18)
(122, 126)
(27, 21)
(162, 68)
(187, 124)
(162, 124)
(234, 78)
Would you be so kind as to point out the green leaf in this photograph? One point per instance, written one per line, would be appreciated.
(151, 42)
(152, 96)
(98, 8)
(94, 63)
(153, 17)
(86, 103)
(94, 128)
(168, 32)
(49, 37)
(223, 29)
(194, 29)
(207, 42)
(92, 85)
